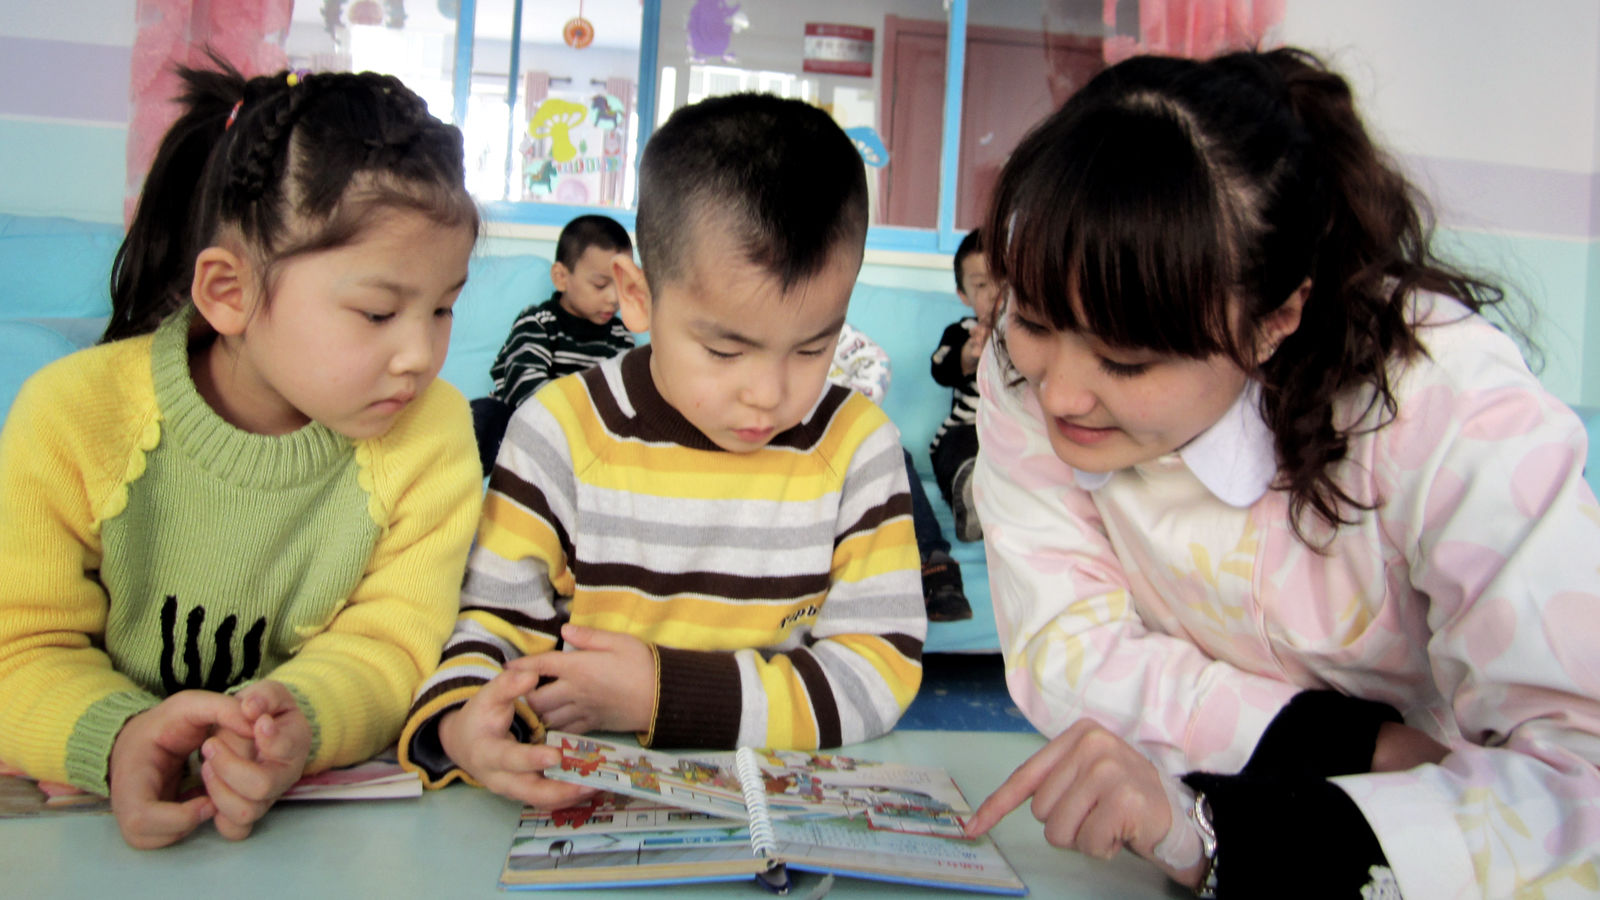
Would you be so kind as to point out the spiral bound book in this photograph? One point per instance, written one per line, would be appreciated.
(666, 818)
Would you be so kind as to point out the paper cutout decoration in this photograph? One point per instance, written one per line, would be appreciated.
(869, 145)
(605, 111)
(710, 29)
(554, 119)
(578, 32)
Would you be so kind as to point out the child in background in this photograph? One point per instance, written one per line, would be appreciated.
(955, 364)
(572, 331)
(244, 534)
(719, 540)
(1292, 556)
(860, 364)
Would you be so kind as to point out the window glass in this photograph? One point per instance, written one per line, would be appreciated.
(877, 66)
(549, 119)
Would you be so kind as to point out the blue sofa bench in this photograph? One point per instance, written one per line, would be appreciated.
(56, 301)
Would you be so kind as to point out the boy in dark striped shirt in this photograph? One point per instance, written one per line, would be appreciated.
(955, 362)
(572, 331)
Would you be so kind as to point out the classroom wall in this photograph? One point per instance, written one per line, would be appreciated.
(1494, 108)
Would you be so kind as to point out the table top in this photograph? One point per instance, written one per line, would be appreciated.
(453, 843)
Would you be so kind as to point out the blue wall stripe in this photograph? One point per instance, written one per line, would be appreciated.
(62, 169)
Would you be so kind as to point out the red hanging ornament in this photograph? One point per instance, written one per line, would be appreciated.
(579, 32)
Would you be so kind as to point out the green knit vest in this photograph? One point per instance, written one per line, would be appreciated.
(233, 550)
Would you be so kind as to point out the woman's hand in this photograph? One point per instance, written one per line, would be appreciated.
(1401, 747)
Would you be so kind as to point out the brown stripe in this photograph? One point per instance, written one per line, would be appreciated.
(718, 585)
(893, 508)
(654, 418)
(909, 647)
(451, 651)
(698, 701)
(807, 434)
(531, 498)
(821, 693)
(445, 687)
(551, 626)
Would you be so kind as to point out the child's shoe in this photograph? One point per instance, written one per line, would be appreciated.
(941, 589)
(968, 528)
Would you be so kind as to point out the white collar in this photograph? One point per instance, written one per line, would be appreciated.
(1235, 459)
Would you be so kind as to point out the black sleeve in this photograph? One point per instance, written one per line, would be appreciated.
(946, 360)
(1280, 820)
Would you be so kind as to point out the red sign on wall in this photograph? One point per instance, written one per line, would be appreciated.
(838, 49)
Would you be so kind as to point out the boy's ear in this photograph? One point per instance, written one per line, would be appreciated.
(223, 290)
(633, 293)
(559, 275)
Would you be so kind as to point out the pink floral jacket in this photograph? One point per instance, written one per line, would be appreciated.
(1469, 600)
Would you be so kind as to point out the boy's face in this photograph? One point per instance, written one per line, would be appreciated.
(978, 290)
(740, 359)
(587, 289)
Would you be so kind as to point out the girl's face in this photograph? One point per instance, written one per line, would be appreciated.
(1107, 408)
(353, 334)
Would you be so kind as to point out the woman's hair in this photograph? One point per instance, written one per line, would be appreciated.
(289, 164)
(1170, 196)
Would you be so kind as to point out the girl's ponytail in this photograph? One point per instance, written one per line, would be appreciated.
(1373, 254)
(151, 272)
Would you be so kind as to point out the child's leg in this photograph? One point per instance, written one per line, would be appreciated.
(490, 416)
(942, 591)
(953, 463)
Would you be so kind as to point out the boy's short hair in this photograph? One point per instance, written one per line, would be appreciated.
(590, 231)
(972, 243)
(779, 175)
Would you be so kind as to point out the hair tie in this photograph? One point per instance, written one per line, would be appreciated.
(233, 114)
(296, 76)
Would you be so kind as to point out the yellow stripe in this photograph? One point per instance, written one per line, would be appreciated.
(789, 719)
(698, 622)
(512, 533)
(891, 547)
(526, 642)
(902, 675)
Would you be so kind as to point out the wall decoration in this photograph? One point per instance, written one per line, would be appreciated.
(710, 30)
(838, 49)
(578, 32)
(605, 111)
(869, 145)
(554, 119)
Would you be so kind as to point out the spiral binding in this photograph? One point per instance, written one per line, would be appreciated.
(762, 839)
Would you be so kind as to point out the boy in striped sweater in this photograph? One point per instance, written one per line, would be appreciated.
(719, 539)
(955, 364)
(572, 331)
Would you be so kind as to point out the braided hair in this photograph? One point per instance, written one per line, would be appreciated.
(288, 163)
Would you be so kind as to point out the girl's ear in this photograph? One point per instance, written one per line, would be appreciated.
(633, 293)
(1281, 322)
(223, 290)
(559, 275)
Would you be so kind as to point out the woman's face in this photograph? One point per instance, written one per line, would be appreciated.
(1107, 408)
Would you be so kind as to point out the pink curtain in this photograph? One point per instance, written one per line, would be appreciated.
(1193, 28)
(247, 33)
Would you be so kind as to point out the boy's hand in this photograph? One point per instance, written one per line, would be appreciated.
(478, 738)
(972, 350)
(246, 772)
(1094, 793)
(150, 758)
(608, 683)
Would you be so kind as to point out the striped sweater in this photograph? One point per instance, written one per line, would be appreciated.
(947, 371)
(779, 589)
(547, 342)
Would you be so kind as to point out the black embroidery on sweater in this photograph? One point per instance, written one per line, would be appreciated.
(222, 675)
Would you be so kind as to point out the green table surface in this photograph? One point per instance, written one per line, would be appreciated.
(452, 843)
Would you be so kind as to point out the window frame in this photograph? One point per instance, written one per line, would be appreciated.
(943, 238)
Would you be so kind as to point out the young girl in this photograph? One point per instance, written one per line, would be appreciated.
(1292, 556)
(244, 533)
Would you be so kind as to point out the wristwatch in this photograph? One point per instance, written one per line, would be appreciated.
(1200, 814)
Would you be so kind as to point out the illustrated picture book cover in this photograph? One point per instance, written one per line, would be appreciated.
(379, 778)
(666, 818)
